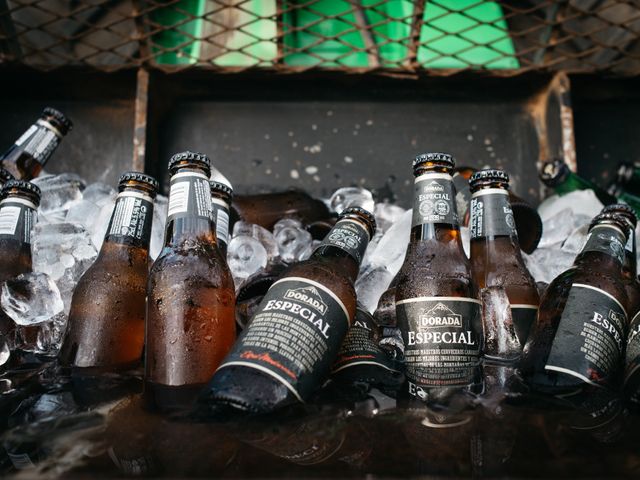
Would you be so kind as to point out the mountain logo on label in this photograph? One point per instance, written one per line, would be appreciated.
(439, 316)
(309, 296)
(434, 187)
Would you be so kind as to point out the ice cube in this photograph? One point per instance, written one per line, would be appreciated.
(576, 240)
(558, 227)
(99, 228)
(392, 247)
(5, 353)
(294, 242)
(83, 213)
(245, 256)
(31, 298)
(371, 285)
(580, 202)
(545, 264)
(351, 197)
(59, 192)
(53, 405)
(99, 193)
(500, 340)
(386, 215)
(264, 236)
(160, 206)
(63, 251)
(285, 223)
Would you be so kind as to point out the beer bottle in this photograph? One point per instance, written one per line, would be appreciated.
(556, 174)
(628, 178)
(577, 340)
(287, 350)
(26, 158)
(19, 201)
(437, 305)
(190, 323)
(221, 195)
(106, 321)
(496, 263)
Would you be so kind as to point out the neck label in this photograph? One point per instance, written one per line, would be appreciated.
(588, 343)
(442, 340)
(632, 361)
(434, 200)
(606, 239)
(131, 220)
(294, 335)
(350, 236)
(189, 196)
(220, 215)
(17, 218)
(39, 141)
(491, 214)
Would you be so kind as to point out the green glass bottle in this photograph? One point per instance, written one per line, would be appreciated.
(556, 174)
(628, 178)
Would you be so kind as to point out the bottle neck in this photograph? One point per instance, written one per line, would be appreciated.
(605, 246)
(344, 246)
(17, 218)
(131, 220)
(189, 212)
(573, 182)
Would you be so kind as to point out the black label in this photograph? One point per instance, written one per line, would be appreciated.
(189, 196)
(350, 236)
(606, 239)
(131, 220)
(523, 317)
(220, 216)
(17, 217)
(442, 345)
(589, 341)
(434, 200)
(39, 141)
(632, 361)
(359, 346)
(294, 336)
(491, 214)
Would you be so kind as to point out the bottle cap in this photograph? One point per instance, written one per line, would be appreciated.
(23, 186)
(611, 218)
(65, 124)
(221, 187)
(623, 210)
(191, 157)
(139, 177)
(5, 175)
(488, 176)
(553, 173)
(434, 157)
(363, 214)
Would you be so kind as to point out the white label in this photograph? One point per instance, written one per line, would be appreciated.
(122, 216)
(26, 135)
(47, 138)
(222, 226)
(9, 216)
(178, 198)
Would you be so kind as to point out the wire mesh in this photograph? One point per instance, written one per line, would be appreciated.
(502, 37)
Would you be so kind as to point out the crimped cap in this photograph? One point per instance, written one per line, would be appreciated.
(611, 218)
(191, 157)
(65, 124)
(492, 174)
(622, 210)
(364, 215)
(434, 157)
(221, 187)
(139, 177)
(553, 172)
(5, 175)
(23, 186)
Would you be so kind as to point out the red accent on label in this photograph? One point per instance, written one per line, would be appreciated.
(354, 357)
(266, 358)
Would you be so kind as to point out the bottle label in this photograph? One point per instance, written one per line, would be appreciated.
(39, 141)
(359, 346)
(17, 218)
(189, 196)
(589, 340)
(131, 219)
(606, 239)
(350, 236)
(523, 317)
(294, 336)
(442, 346)
(632, 361)
(434, 200)
(491, 214)
(220, 215)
